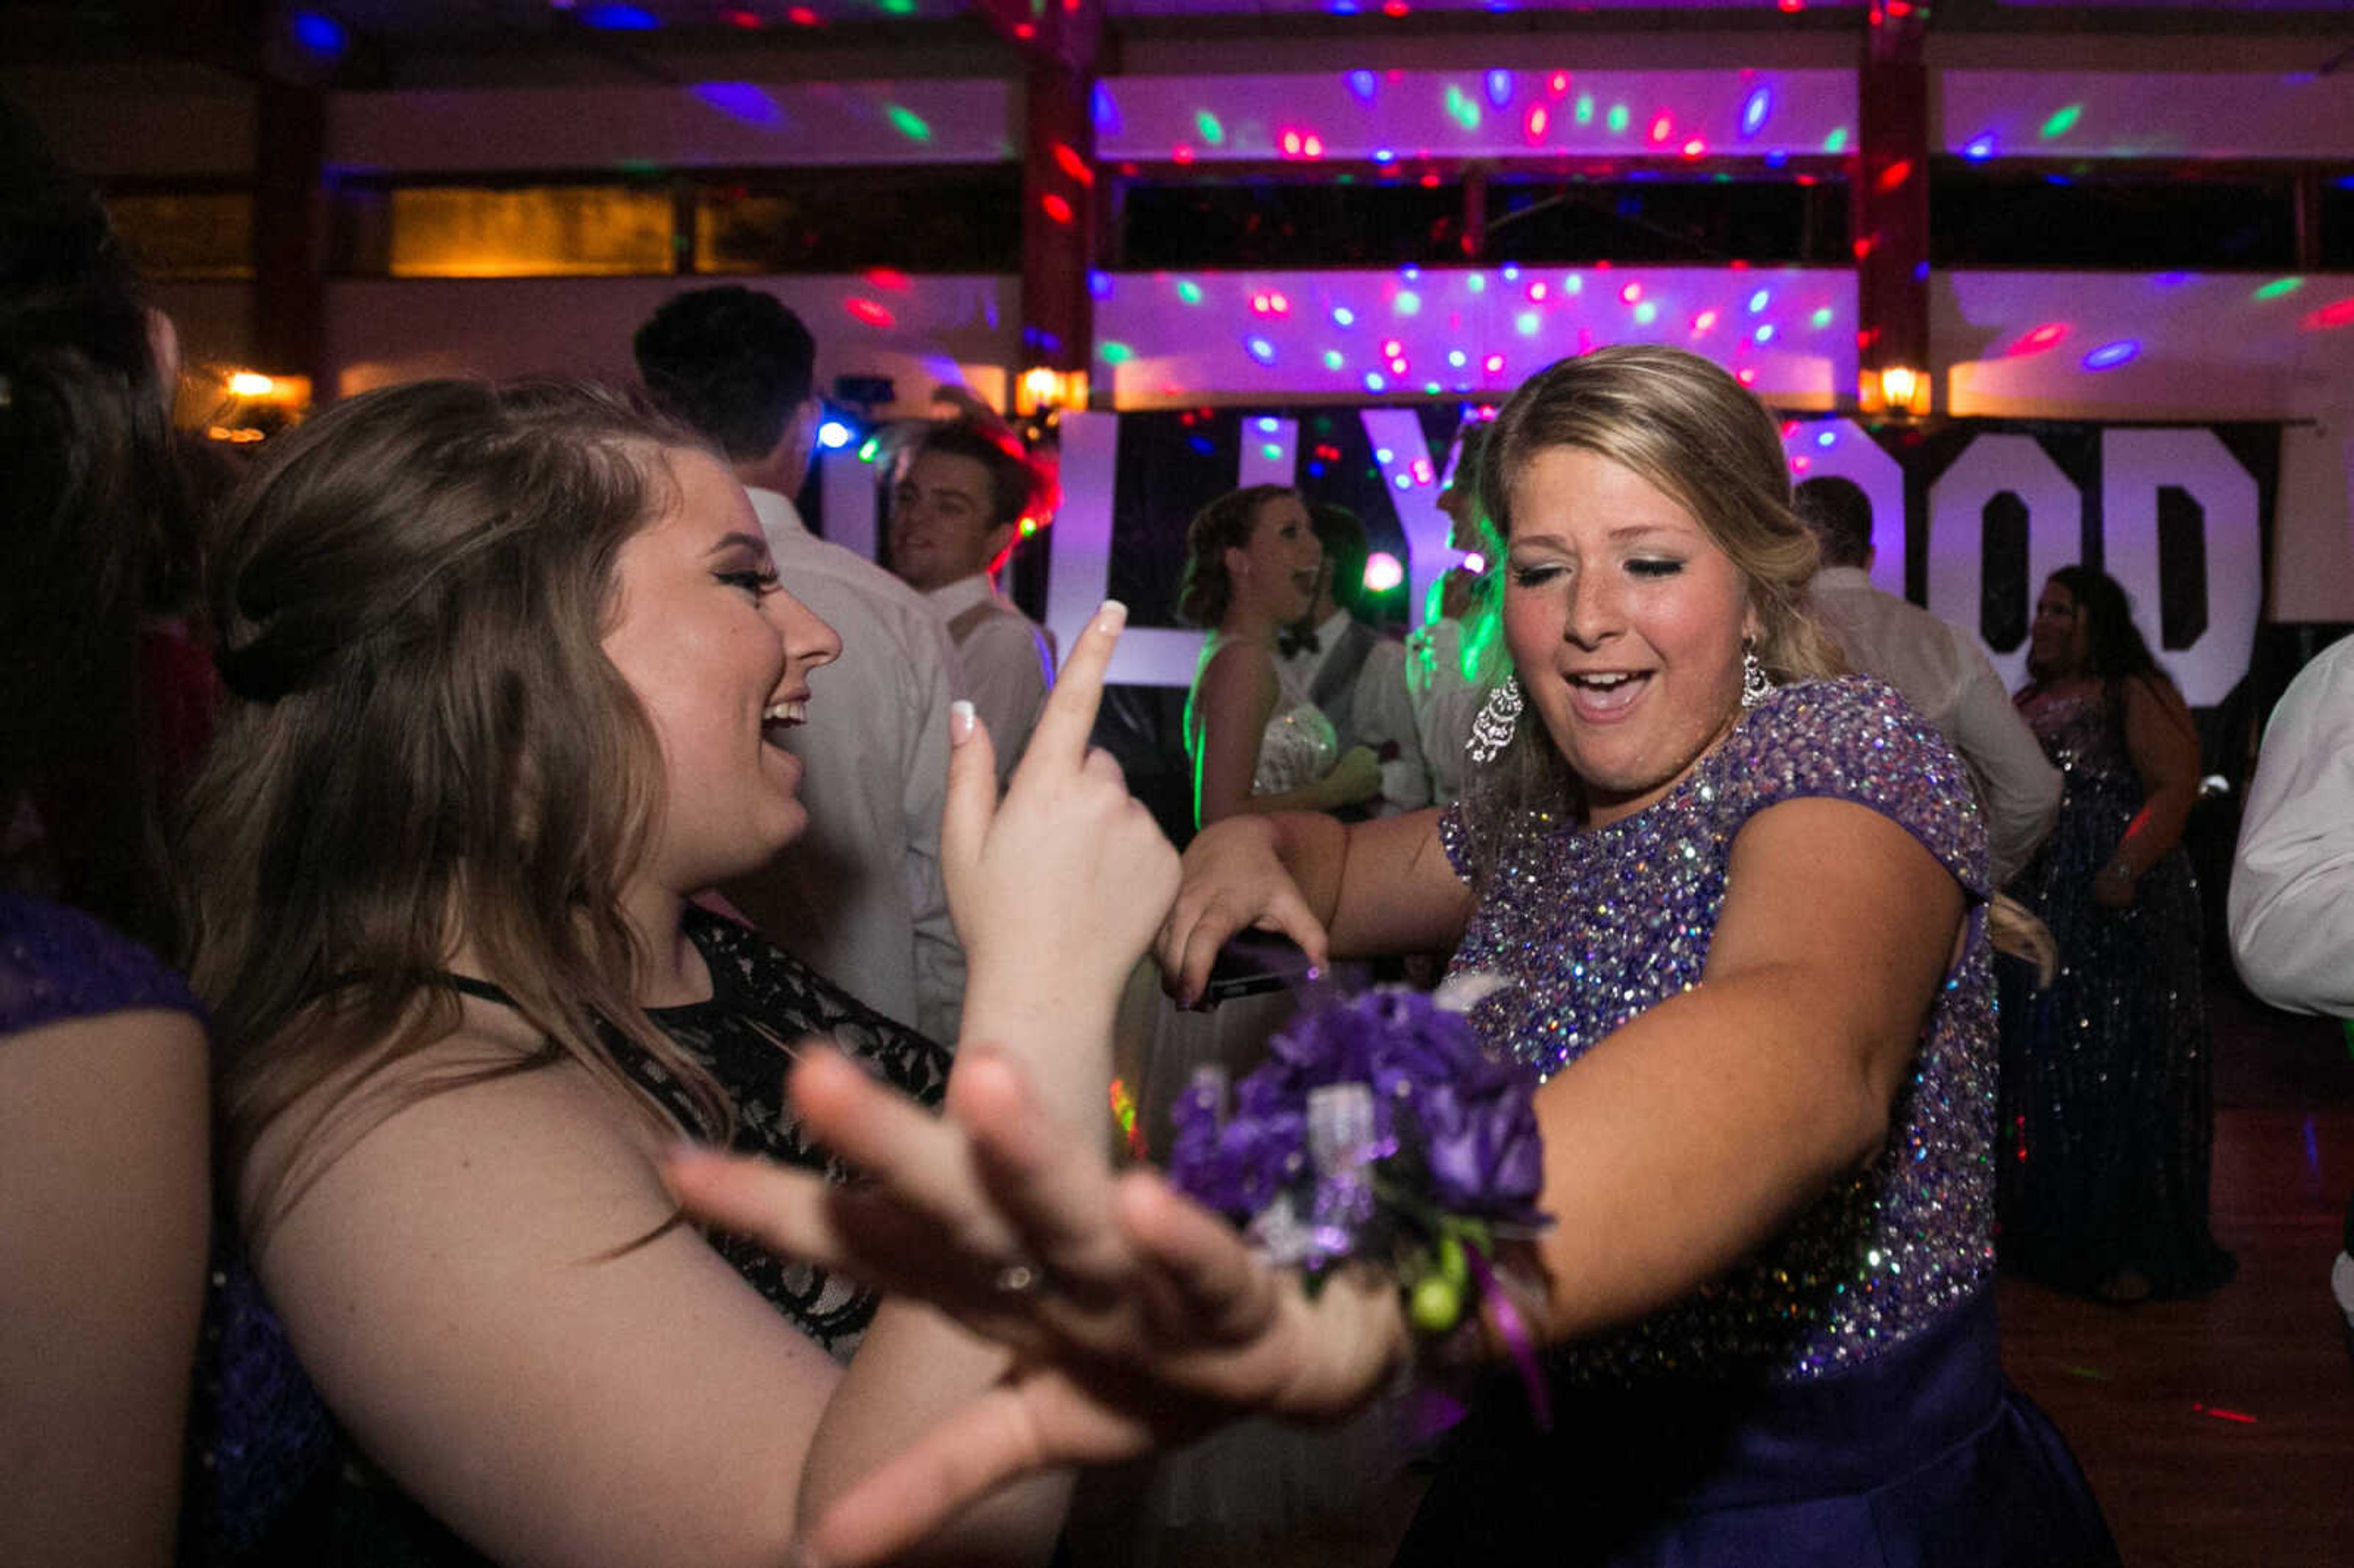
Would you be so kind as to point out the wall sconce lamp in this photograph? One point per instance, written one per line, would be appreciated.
(1896, 389)
(251, 407)
(1041, 389)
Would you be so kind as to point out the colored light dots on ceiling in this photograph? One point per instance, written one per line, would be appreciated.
(1630, 294)
(1755, 110)
(321, 35)
(872, 313)
(1493, 364)
(2062, 121)
(1374, 382)
(1407, 304)
(1500, 88)
(1055, 208)
(2036, 340)
(619, 18)
(1836, 141)
(1820, 319)
(2109, 356)
(1114, 353)
(1332, 359)
(1189, 291)
(2279, 287)
(1207, 126)
(908, 122)
(1342, 316)
(1461, 108)
(1978, 149)
(1619, 119)
(1646, 313)
(1260, 349)
(1528, 323)
(1704, 321)
(1363, 85)
(2331, 316)
(1759, 300)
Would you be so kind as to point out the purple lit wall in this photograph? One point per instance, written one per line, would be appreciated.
(1391, 115)
(2118, 114)
(1169, 337)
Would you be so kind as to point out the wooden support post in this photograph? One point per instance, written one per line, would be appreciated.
(1058, 219)
(1889, 196)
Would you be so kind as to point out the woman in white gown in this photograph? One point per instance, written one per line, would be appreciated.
(1256, 742)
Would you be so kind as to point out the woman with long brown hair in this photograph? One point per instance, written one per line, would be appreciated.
(509, 665)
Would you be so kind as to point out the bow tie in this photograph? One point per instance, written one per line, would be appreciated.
(1291, 644)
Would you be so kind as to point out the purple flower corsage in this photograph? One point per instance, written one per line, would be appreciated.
(1377, 1129)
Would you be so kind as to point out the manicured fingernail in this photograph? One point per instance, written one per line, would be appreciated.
(959, 722)
(1314, 973)
(1111, 616)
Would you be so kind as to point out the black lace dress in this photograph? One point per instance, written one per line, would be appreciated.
(2107, 1104)
(275, 1482)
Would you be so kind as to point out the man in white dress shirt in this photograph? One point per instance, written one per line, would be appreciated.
(2292, 899)
(1940, 669)
(857, 896)
(956, 512)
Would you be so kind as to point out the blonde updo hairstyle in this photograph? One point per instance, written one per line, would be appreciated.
(1694, 433)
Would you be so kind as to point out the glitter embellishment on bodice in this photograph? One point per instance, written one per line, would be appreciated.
(1595, 926)
(2083, 740)
(1299, 745)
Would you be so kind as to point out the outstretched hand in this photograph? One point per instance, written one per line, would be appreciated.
(1137, 1318)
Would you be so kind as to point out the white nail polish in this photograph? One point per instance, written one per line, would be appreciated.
(959, 719)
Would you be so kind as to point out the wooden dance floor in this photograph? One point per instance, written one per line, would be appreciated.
(2220, 1433)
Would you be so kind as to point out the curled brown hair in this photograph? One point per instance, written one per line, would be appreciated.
(1206, 589)
(426, 746)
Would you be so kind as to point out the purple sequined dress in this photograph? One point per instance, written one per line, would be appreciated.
(1838, 1398)
(2108, 1112)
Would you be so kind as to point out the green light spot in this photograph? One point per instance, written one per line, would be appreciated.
(1212, 131)
(1835, 141)
(868, 449)
(1189, 290)
(1528, 323)
(2279, 286)
(2063, 121)
(1408, 303)
(1585, 109)
(1462, 110)
(1112, 353)
(1333, 360)
(908, 122)
(1821, 318)
(1272, 452)
(1646, 313)
(1476, 282)
(899, 7)
(1431, 387)
(1617, 120)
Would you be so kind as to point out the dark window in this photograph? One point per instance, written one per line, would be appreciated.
(187, 236)
(2013, 217)
(1270, 223)
(928, 218)
(1667, 221)
(2338, 224)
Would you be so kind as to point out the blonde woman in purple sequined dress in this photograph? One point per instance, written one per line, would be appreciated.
(1734, 907)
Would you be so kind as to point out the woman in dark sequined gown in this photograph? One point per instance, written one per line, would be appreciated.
(1740, 928)
(2108, 1115)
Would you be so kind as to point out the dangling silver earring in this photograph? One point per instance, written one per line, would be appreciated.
(1492, 730)
(1756, 685)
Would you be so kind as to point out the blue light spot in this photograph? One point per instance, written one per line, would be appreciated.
(1827, 438)
(1099, 285)
(1374, 382)
(1384, 156)
(1759, 300)
(1201, 444)
(1754, 112)
(620, 19)
(740, 101)
(1383, 456)
(1765, 334)
(1105, 109)
(1776, 158)
(833, 435)
(320, 35)
(1268, 425)
(1979, 148)
(2109, 356)
(1404, 481)
(1500, 88)
(1343, 316)
(1363, 83)
(1261, 350)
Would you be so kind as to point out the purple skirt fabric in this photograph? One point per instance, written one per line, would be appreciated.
(1923, 1458)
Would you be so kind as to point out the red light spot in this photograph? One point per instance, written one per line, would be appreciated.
(1895, 174)
(1494, 364)
(1066, 157)
(801, 16)
(1746, 377)
(1806, 179)
(1801, 463)
(2337, 313)
(1392, 349)
(1792, 6)
(1024, 31)
(869, 312)
(1630, 294)
(1537, 121)
(1863, 247)
(2220, 1413)
(2037, 341)
(741, 20)
(1055, 208)
(1704, 321)
(1662, 128)
(1695, 147)
(1430, 181)
(888, 278)
(1393, 7)
(1181, 154)
(1790, 429)
(1559, 83)
(1291, 143)
(1313, 145)
(1899, 8)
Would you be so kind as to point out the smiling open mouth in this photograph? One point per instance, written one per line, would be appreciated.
(1605, 693)
(778, 719)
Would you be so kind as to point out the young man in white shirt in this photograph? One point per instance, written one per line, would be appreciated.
(956, 512)
(857, 896)
(1354, 672)
(1940, 669)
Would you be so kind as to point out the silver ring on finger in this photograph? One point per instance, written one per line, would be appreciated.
(1018, 1281)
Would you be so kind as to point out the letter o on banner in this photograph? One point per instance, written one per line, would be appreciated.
(1997, 466)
